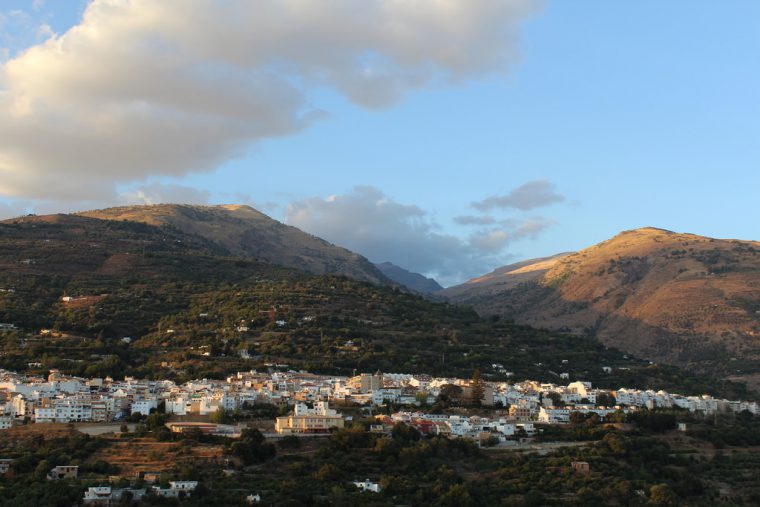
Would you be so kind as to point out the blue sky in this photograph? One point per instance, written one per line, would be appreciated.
(635, 113)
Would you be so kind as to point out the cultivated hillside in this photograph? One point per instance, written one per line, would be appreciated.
(409, 279)
(245, 232)
(671, 297)
(100, 297)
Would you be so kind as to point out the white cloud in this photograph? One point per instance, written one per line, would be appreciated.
(531, 195)
(45, 31)
(146, 88)
(492, 241)
(159, 193)
(369, 222)
(474, 220)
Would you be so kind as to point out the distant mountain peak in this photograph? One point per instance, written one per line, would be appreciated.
(414, 281)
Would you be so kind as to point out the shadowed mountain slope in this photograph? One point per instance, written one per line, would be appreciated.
(413, 281)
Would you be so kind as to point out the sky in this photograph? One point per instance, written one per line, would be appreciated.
(447, 136)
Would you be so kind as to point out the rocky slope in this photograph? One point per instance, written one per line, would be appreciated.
(245, 232)
(670, 297)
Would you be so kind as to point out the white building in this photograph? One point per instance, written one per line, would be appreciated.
(144, 406)
(368, 485)
(176, 489)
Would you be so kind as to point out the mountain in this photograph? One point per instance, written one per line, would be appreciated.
(671, 297)
(73, 288)
(242, 231)
(413, 281)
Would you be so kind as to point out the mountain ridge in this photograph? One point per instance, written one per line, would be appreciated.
(241, 230)
(673, 297)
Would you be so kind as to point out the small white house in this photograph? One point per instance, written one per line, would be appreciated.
(368, 485)
(176, 489)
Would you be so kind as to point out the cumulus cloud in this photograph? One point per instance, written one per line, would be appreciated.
(492, 241)
(474, 220)
(532, 227)
(531, 195)
(369, 222)
(158, 193)
(145, 88)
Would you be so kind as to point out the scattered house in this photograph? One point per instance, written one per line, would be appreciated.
(682, 427)
(368, 485)
(149, 477)
(62, 472)
(106, 495)
(98, 495)
(582, 467)
(176, 489)
(607, 369)
(253, 498)
(5, 465)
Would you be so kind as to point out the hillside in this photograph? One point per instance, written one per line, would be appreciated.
(677, 298)
(245, 232)
(409, 279)
(75, 287)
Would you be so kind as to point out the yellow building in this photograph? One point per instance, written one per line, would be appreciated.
(309, 420)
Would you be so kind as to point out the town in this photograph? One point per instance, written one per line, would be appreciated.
(66, 399)
(497, 415)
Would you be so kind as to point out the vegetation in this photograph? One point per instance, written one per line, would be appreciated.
(644, 464)
(154, 302)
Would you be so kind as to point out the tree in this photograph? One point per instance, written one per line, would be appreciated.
(605, 400)
(555, 397)
(577, 417)
(661, 494)
(220, 416)
(450, 393)
(478, 389)
(404, 433)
